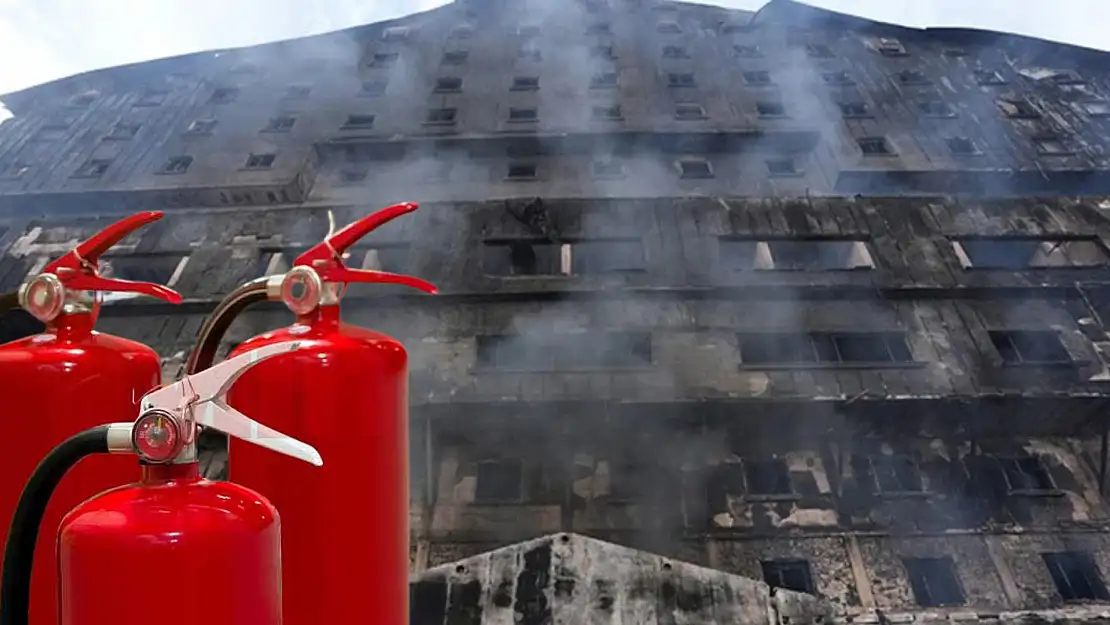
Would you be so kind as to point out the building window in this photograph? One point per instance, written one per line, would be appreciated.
(155, 268)
(441, 117)
(449, 84)
(962, 146)
(523, 115)
(1052, 146)
(1014, 253)
(1026, 475)
(604, 80)
(874, 146)
(297, 92)
(668, 28)
(607, 53)
(1099, 108)
(395, 34)
(457, 57)
(795, 255)
(526, 83)
(564, 350)
(767, 478)
(176, 165)
(895, 474)
(934, 582)
(789, 575)
(529, 52)
(936, 108)
(499, 481)
(359, 122)
(384, 59)
(839, 78)
(910, 77)
(680, 80)
(201, 127)
(771, 109)
(1029, 347)
(152, 97)
(689, 112)
(280, 124)
(747, 52)
(607, 169)
(759, 78)
(854, 110)
(888, 46)
(123, 131)
(819, 51)
(545, 258)
(854, 348)
(988, 77)
(607, 113)
(93, 168)
(373, 88)
(224, 95)
(1076, 576)
(260, 161)
(782, 167)
(522, 171)
(695, 169)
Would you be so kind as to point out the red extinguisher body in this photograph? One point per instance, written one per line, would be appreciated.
(53, 380)
(127, 555)
(345, 392)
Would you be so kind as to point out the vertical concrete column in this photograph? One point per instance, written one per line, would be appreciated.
(1005, 575)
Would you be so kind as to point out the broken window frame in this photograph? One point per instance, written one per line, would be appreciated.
(866, 143)
(494, 499)
(694, 168)
(176, 165)
(1007, 343)
(123, 131)
(260, 161)
(972, 148)
(783, 489)
(1072, 569)
(571, 258)
(1046, 247)
(752, 248)
(889, 46)
(1035, 480)
(359, 121)
(224, 95)
(93, 168)
(930, 577)
(822, 350)
(566, 351)
(776, 572)
(885, 468)
(203, 126)
(280, 124)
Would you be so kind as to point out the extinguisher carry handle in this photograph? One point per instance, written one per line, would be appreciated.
(77, 269)
(326, 258)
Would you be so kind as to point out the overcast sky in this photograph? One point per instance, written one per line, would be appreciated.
(42, 40)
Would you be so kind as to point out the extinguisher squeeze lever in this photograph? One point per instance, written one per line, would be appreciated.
(45, 295)
(319, 275)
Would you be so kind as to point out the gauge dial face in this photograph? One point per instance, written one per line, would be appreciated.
(157, 437)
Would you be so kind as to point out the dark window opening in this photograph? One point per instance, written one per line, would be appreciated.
(789, 575)
(912, 77)
(854, 109)
(441, 116)
(176, 165)
(523, 115)
(988, 77)
(260, 161)
(604, 80)
(523, 258)
(526, 83)
(695, 169)
(374, 88)
(384, 59)
(669, 28)
(689, 112)
(767, 477)
(396, 34)
(448, 84)
(863, 348)
(819, 51)
(1026, 475)
(224, 95)
(565, 350)
(1030, 347)
(873, 146)
(891, 47)
(280, 124)
(934, 582)
(608, 113)
(522, 171)
(782, 167)
(603, 52)
(757, 78)
(93, 168)
(607, 257)
(297, 92)
(155, 268)
(457, 57)
(680, 80)
(771, 109)
(123, 131)
(152, 97)
(936, 108)
(895, 474)
(1016, 254)
(675, 52)
(607, 169)
(1076, 576)
(499, 481)
(747, 52)
(202, 127)
(838, 78)
(819, 255)
(961, 146)
(359, 122)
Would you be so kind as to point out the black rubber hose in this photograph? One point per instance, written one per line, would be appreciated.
(9, 301)
(19, 553)
(216, 325)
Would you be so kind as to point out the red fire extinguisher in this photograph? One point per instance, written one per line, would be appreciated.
(346, 544)
(134, 555)
(51, 380)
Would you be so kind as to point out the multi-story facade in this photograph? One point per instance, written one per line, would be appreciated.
(788, 295)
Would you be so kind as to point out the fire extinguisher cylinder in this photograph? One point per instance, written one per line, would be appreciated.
(167, 530)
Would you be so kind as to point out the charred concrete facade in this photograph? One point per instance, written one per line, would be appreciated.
(791, 296)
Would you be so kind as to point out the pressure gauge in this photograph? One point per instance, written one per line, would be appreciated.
(43, 296)
(157, 437)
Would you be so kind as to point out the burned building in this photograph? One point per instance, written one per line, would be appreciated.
(789, 299)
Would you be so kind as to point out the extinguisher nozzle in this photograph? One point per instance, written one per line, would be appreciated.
(19, 552)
